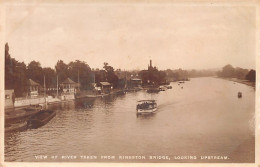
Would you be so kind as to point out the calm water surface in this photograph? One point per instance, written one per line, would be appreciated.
(203, 118)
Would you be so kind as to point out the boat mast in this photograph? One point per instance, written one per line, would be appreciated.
(57, 86)
(44, 89)
(77, 89)
(125, 80)
(94, 77)
(78, 76)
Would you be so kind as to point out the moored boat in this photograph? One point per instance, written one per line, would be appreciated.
(146, 106)
(239, 95)
(153, 90)
(41, 118)
(20, 115)
(162, 88)
(168, 87)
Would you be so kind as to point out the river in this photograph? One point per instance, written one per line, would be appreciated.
(204, 118)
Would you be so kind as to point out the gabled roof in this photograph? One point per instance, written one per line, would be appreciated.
(105, 83)
(68, 81)
(31, 82)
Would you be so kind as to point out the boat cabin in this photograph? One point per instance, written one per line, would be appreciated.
(106, 87)
(146, 105)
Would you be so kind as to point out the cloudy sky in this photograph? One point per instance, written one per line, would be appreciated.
(128, 35)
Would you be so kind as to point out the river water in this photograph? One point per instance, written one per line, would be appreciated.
(204, 118)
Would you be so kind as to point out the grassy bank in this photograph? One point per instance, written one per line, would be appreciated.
(246, 82)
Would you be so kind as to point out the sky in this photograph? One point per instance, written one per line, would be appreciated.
(127, 36)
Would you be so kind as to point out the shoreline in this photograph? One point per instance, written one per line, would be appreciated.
(246, 82)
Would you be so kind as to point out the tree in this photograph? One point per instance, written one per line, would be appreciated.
(100, 76)
(80, 70)
(34, 72)
(162, 76)
(50, 77)
(251, 76)
(111, 77)
(15, 74)
(240, 73)
(61, 70)
(228, 71)
(9, 69)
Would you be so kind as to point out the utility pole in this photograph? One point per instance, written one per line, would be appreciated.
(94, 77)
(125, 79)
(78, 76)
(78, 82)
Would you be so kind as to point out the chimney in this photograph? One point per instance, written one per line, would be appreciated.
(150, 63)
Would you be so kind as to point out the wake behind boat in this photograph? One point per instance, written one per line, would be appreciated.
(146, 106)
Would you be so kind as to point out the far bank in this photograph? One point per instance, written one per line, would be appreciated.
(246, 82)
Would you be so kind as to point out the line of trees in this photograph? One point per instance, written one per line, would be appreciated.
(229, 71)
(180, 74)
(17, 74)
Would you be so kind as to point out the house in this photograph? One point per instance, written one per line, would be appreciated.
(69, 86)
(106, 87)
(33, 88)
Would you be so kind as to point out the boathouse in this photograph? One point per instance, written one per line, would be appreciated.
(105, 87)
(33, 88)
(69, 86)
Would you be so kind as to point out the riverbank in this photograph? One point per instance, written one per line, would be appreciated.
(246, 82)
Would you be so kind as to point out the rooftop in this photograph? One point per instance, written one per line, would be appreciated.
(68, 81)
(32, 83)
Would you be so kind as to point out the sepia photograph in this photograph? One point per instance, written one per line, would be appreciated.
(129, 82)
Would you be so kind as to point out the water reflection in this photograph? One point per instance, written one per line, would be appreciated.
(145, 116)
(85, 103)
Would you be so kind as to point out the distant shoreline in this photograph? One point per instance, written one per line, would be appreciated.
(246, 82)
